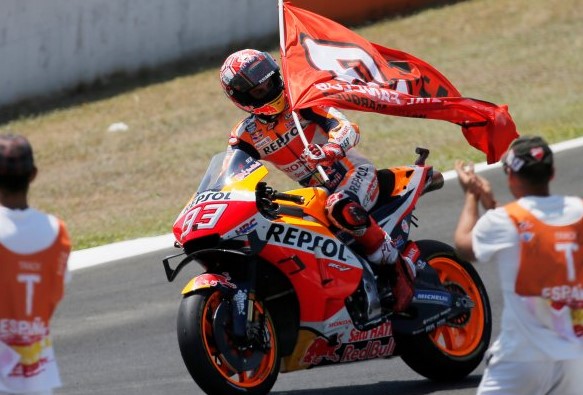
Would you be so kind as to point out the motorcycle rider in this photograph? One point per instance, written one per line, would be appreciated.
(252, 80)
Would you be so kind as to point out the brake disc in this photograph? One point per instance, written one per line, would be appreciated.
(241, 356)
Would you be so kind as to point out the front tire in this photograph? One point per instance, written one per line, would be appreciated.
(454, 350)
(208, 360)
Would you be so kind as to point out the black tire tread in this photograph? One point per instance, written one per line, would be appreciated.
(195, 356)
(422, 355)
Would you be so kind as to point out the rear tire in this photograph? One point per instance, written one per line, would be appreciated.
(209, 367)
(454, 350)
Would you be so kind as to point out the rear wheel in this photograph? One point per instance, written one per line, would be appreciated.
(454, 350)
(217, 361)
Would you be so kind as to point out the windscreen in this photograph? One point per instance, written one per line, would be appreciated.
(226, 168)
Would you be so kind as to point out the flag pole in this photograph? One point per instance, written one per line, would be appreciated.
(281, 27)
(320, 169)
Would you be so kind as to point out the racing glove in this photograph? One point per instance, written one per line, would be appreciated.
(325, 155)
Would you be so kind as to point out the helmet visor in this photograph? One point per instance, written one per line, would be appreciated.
(254, 74)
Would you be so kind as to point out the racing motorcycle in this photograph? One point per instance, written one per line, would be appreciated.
(283, 290)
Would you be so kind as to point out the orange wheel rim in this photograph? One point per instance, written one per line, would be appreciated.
(459, 340)
(245, 379)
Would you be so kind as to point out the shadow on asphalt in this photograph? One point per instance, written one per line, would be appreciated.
(416, 387)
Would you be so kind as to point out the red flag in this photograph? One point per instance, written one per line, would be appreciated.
(325, 63)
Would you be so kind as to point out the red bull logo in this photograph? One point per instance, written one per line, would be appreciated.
(320, 350)
(212, 280)
(373, 349)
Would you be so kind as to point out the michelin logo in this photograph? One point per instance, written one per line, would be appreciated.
(433, 297)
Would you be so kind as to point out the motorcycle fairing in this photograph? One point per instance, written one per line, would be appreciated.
(245, 227)
(223, 195)
(314, 202)
(339, 342)
(200, 217)
(409, 184)
(315, 262)
(301, 235)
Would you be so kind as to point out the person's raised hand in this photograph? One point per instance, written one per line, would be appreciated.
(466, 177)
(475, 184)
(487, 198)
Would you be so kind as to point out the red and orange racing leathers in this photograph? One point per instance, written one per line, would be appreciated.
(277, 140)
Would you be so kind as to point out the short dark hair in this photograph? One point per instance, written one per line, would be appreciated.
(530, 158)
(16, 162)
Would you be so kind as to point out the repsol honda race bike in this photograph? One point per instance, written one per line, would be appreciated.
(282, 290)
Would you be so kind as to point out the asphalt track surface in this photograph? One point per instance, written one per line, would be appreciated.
(115, 332)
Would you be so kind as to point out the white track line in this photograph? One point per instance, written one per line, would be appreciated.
(89, 257)
(82, 259)
(478, 167)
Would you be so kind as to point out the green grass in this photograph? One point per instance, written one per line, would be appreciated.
(117, 186)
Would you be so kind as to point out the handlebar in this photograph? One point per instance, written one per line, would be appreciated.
(423, 154)
(288, 197)
(265, 192)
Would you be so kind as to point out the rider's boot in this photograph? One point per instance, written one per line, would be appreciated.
(400, 271)
(380, 250)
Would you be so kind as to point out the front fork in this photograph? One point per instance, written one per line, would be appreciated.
(241, 293)
(243, 303)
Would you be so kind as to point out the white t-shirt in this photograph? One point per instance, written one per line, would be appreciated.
(34, 248)
(523, 335)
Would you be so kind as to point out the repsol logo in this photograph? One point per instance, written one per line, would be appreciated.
(307, 241)
(281, 141)
(358, 179)
(212, 196)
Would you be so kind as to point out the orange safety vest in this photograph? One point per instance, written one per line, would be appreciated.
(551, 261)
(31, 286)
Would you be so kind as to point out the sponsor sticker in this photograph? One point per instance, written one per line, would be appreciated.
(305, 240)
(433, 297)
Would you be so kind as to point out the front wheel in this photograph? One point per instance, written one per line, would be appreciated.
(217, 361)
(455, 349)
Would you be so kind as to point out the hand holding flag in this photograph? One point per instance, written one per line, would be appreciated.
(325, 155)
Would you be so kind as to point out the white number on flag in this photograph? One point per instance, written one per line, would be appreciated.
(347, 62)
